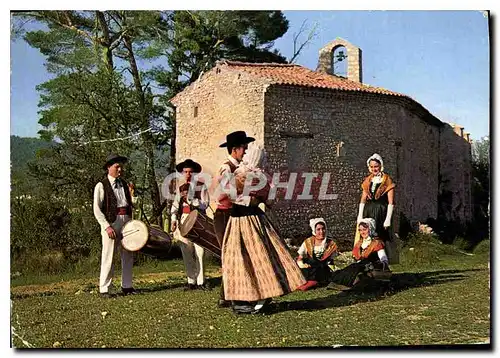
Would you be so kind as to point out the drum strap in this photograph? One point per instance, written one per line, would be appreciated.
(144, 217)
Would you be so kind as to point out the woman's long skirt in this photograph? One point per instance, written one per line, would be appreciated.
(319, 271)
(347, 275)
(256, 263)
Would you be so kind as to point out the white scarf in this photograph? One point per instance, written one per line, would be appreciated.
(366, 242)
(378, 158)
(254, 158)
(371, 229)
(314, 222)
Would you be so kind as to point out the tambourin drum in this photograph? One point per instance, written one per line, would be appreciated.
(199, 228)
(149, 239)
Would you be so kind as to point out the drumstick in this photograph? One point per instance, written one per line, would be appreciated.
(125, 233)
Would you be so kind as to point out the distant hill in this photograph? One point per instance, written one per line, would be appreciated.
(23, 150)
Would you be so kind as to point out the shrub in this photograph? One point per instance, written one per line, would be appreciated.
(421, 248)
(38, 224)
(48, 237)
(462, 243)
(483, 247)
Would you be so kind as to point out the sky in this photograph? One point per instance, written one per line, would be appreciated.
(439, 58)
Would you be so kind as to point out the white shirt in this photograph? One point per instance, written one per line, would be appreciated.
(381, 253)
(201, 203)
(318, 250)
(121, 201)
(225, 170)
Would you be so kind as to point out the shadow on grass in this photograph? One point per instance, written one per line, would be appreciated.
(161, 287)
(371, 290)
(213, 282)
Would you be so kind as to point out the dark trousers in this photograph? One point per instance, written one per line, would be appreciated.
(221, 217)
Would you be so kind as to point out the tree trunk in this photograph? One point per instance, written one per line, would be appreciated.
(105, 42)
(148, 141)
(155, 192)
(171, 167)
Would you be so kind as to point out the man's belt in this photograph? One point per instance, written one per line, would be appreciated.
(122, 211)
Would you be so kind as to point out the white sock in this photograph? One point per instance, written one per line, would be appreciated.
(259, 304)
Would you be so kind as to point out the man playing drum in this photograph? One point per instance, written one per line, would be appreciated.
(183, 204)
(236, 144)
(113, 199)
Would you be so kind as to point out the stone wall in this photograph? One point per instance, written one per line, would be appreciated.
(336, 133)
(323, 131)
(226, 101)
(456, 175)
(417, 172)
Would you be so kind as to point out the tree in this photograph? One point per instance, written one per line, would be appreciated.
(201, 38)
(98, 94)
(481, 186)
(114, 74)
(298, 47)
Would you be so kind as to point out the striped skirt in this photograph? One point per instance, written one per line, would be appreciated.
(256, 263)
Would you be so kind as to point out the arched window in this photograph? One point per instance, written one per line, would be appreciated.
(339, 61)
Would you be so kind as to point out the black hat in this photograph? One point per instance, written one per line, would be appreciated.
(188, 163)
(114, 158)
(236, 139)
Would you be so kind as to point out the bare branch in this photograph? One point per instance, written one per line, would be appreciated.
(298, 49)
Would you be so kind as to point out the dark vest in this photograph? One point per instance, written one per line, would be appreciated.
(231, 166)
(109, 204)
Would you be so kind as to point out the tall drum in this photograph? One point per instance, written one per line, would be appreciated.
(199, 228)
(148, 239)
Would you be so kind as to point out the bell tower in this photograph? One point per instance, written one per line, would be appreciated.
(332, 54)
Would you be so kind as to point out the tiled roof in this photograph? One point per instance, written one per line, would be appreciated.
(290, 74)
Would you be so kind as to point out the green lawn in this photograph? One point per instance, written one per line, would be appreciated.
(447, 302)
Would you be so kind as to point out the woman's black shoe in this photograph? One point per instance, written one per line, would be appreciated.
(243, 309)
(223, 303)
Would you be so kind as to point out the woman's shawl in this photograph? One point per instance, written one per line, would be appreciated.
(386, 185)
(330, 247)
(375, 245)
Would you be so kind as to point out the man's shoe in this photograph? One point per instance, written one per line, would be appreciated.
(106, 295)
(129, 291)
(205, 287)
(189, 287)
(223, 303)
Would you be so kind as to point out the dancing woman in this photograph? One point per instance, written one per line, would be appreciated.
(256, 263)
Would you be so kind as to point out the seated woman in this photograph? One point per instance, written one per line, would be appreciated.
(315, 255)
(369, 254)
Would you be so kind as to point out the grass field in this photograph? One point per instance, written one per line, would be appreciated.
(446, 302)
